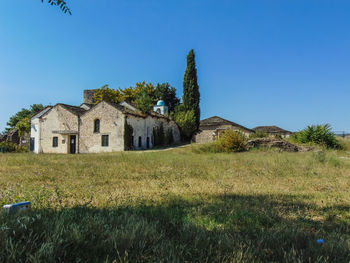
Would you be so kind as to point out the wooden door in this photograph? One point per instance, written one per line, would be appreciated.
(73, 143)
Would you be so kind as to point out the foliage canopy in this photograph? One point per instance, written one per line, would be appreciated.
(191, 94)
(61, 4)
(318, 134)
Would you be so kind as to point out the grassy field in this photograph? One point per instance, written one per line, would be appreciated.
(178, 205)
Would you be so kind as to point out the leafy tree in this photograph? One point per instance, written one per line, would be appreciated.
(144, 102)
(23, 127)
(143, 95)
(191, 94)
(61, 4)
(107, 94)
(167, 93)
(24, 113)
(186, 120)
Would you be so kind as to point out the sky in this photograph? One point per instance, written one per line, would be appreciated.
(259, 62)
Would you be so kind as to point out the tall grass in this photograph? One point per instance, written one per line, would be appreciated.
(176, 206)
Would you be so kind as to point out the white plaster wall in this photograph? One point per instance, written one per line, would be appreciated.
(111, 124)
(34, 133)
(144, 127)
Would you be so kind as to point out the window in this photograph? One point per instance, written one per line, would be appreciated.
(132, 141)
(55, 142)
(140, 142)
(97, 125)
(105, 140)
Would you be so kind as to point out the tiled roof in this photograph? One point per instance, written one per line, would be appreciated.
(271, 129)
(216, 121)
(73, 109)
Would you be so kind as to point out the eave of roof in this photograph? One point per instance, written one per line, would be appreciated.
(209, 122)
(271, 129)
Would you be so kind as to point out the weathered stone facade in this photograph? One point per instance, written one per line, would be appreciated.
(69, 129)
(111, 124)
(211, 128)
(58, 122)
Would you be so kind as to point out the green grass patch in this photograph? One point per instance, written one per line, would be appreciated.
(177, 206)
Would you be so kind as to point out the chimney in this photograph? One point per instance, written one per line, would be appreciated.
(89, 95)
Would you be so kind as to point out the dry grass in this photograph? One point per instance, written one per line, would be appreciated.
(253, 206)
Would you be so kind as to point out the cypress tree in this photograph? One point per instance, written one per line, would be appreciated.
(191, 94)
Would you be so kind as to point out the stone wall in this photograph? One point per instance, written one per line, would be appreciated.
(143, 127)
(111, 124)
(58, 119)
(206, 135)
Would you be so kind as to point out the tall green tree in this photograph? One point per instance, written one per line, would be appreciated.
(22, 114)
(191, 94)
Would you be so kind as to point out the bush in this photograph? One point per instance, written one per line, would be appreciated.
(258, 134)
(7, 147)
(12, 147)
(318, 134)
(169, 137)
(231, 141)
(186, 120)
(158, 137)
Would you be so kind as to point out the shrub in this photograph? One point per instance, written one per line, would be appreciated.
(158, 135)
(12, 147)
(258, 134)
(7, 147)
(186, 120)
(169, 137)
(318, 134)
(128, 138)
(22, 149)
(231, 141)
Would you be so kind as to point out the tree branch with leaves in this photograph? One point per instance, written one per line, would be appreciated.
(61, 4)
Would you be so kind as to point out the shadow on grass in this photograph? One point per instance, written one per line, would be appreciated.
(230, 228)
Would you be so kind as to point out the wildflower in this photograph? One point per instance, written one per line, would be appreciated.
(320, 241)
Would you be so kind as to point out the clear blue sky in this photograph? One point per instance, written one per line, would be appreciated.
(262, 62)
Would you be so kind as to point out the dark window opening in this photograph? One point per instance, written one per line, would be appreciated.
(140, 142)
(97, 125)
(148, 143)
(32, 144)
(55, 142)
(132, 140)
(105, 140)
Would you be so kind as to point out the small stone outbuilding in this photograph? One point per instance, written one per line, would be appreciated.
(273, 131)
(211, 128)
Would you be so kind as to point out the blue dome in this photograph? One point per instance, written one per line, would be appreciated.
(160, 103)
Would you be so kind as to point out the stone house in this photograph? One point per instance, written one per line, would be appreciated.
(273, 131)
(211, 128)
(96, 128)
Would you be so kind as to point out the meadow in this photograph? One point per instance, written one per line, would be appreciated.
(178, 205)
